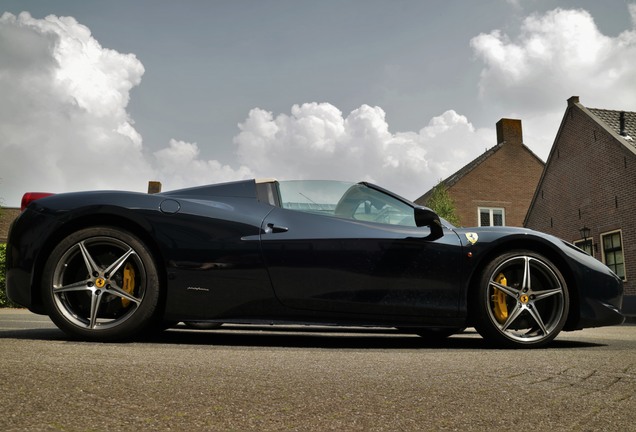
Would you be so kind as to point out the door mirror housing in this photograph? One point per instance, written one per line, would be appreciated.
(427, 217)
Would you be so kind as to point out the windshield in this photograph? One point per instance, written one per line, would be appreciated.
(355, 201)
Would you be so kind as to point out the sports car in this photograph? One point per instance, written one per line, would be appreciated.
(111, 265)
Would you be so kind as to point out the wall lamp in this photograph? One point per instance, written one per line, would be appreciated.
(585, 232)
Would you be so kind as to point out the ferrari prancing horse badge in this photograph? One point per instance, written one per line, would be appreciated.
(472, 238)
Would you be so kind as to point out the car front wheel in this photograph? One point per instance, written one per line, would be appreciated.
(101, 284)
(522, 300)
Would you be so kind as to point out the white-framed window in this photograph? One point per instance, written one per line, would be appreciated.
(489, 216)
(586, 245)
(612, 246)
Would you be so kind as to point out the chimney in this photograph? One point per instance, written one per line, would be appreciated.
(573, 100)
(154, 187)
(509, 131)
(622, 132)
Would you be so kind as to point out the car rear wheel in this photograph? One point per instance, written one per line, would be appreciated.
(101, 284)
(522, 300)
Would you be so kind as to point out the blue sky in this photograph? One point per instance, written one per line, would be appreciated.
(402, 93)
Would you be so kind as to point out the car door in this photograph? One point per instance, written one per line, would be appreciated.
(346, 264)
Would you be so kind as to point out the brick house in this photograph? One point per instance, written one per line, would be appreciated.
(587, 193)
(497, 187)
(7, 216)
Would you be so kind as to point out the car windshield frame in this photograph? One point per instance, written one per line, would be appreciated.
(361, 202)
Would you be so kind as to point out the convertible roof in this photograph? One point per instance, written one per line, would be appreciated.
(242, 188)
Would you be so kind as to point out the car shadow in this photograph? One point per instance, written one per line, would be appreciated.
(34, 334)
(295, 337)
(330, 338)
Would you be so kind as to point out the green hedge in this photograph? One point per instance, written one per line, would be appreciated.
(4, 301)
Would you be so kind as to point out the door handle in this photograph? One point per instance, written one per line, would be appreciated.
(273, 229)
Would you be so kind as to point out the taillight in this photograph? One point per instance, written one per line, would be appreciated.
(29, 197)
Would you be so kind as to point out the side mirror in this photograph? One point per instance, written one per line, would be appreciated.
(427, 217)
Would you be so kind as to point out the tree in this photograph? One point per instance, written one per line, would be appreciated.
(441, 203)
(4, 302)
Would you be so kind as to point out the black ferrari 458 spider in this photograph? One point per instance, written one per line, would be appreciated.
(110, 265)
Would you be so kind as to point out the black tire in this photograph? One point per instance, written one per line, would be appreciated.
(525, 309)
(101, 284)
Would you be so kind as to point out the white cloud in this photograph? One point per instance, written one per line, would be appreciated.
(317, 141)
(556, 55)
(63, 123)
(179, 166)
(64, 126)
(63, 119)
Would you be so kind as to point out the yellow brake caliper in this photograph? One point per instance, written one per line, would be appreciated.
(499, 300)
(128, 282)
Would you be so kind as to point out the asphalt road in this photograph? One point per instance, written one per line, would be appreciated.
(272, 378)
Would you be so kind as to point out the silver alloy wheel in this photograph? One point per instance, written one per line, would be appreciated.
(528, 305)
(98, 283)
